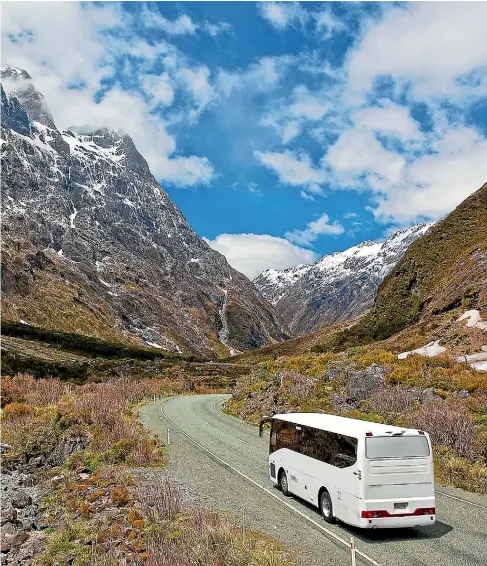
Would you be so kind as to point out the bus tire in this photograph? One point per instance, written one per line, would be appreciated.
(283, 484)
(326, 507)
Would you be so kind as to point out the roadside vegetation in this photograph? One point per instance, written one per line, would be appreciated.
(445, 398)
(85, 443)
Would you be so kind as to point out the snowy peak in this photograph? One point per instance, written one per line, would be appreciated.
(336, 287)
(272, 283)
(95, 246)
(13, 73)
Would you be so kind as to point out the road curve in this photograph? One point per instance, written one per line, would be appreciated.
(225, 462)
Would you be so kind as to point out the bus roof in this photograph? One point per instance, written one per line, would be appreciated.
(340, 425)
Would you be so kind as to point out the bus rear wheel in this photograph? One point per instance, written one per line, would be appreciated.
(283, 485)
(326, 507)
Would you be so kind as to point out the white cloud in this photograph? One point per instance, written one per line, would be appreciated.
(263, 75)
(152, 18)
(358, 152)
(319, 227)
(427, 43)
(293, 169)
(253, 253)
(217, 29)
(390, 119)
(303, 106)
(326, 23)
(88, 56)
(436, 183)
(198, 83)
(283, 14)
(160, 88)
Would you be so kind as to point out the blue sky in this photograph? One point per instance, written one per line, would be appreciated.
(283, 131)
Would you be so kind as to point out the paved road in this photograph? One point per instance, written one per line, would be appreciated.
(225, 462)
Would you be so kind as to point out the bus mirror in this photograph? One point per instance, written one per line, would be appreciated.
(264, 420)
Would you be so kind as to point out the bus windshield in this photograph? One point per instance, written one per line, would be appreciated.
(396, 447)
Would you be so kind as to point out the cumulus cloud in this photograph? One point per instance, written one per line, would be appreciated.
(390, 119)
(430, 46)
(320, 226)
(293, 169)
(253, 253)
(283, 14)
(92, 38)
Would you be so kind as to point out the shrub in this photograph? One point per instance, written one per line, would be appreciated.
(18, 412)
(161, 500)
(449, 424)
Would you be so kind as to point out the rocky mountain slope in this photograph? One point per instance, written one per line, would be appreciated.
(92, 244)
(437, 292)
(338, 287)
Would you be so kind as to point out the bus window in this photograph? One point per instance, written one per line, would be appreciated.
(288, 436)
(396, 447)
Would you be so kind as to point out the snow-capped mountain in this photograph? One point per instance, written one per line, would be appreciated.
(92, 244)
(337, 287)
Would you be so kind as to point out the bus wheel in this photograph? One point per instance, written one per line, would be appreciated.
(326, 507)
(283, 483)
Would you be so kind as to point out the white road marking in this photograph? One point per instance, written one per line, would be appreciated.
(226, 464)
(460, 499)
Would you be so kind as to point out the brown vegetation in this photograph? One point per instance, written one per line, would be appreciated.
(87, 438)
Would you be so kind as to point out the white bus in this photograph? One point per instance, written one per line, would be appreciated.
(365, 474)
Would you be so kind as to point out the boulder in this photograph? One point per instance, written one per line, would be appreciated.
(65, 448)
(362, 384)
(428, 395)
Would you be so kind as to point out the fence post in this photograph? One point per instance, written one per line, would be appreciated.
(352, 549)
(168, 438)
(154, 398)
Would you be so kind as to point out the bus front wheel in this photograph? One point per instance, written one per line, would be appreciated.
(326, 507)
(283, 485)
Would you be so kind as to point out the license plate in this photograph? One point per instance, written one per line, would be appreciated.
(400, 505)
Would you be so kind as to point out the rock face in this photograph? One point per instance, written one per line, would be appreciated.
(336, 288)
(21, 538)
(92, 244)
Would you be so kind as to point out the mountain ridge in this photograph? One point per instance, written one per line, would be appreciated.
(337, 287)
(93, 244)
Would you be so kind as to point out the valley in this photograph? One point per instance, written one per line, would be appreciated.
(120, 323)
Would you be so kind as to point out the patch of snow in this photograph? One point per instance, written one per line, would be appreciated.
(194, 260)
(474, 319)
(60, 253)
(104, 282)
(479, 356)
(430, 350)
(96, 188)
(480, 366)
(22, 321)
